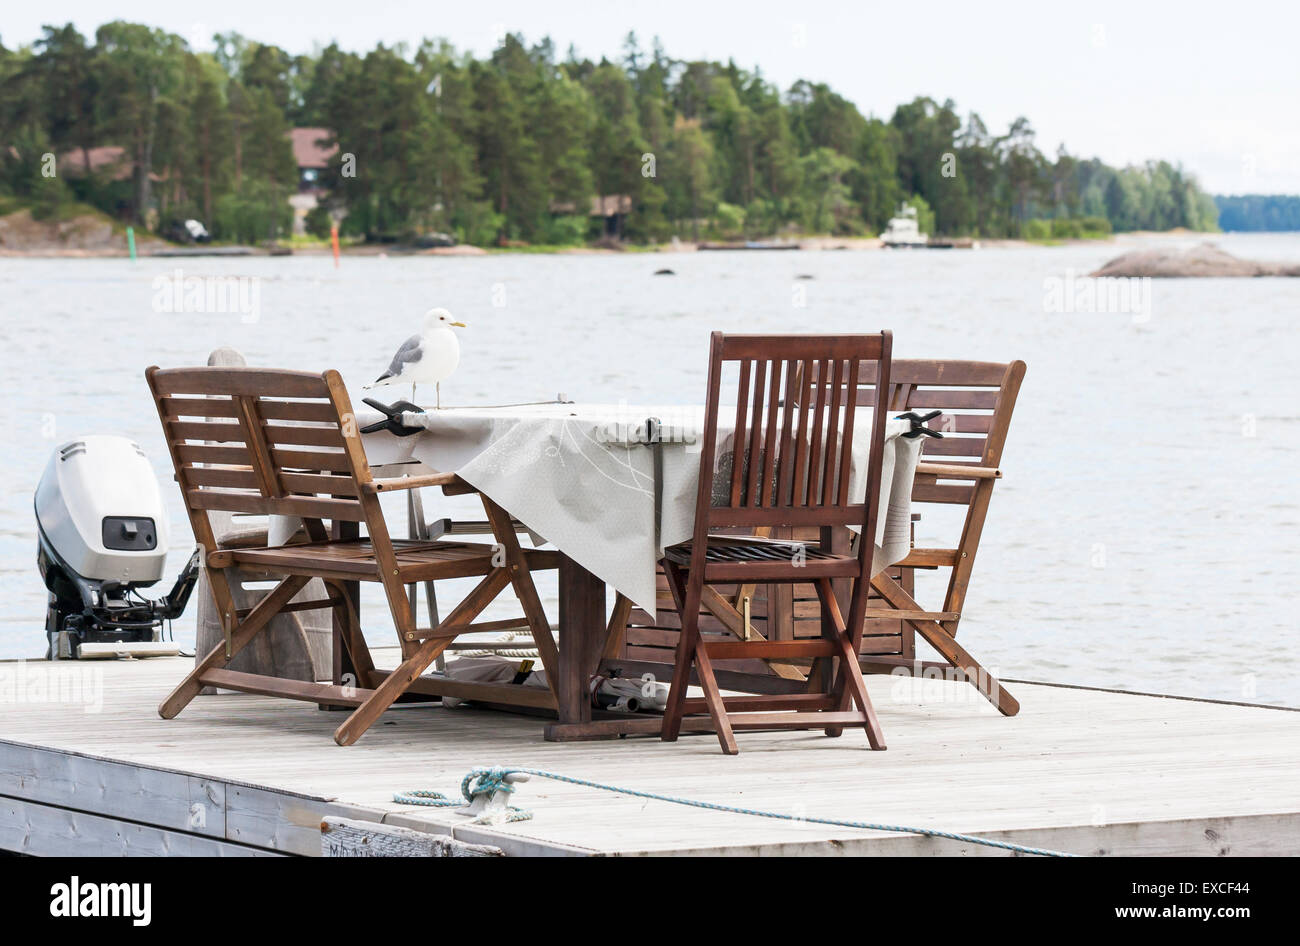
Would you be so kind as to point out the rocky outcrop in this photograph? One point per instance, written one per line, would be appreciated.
(81, 235)
(1203, 260)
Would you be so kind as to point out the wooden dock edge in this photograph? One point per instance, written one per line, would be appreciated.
(56, 802)
(1270, 835)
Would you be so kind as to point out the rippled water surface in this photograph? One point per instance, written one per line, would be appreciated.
(1145, 535)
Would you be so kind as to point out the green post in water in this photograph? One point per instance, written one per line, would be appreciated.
(130, 241)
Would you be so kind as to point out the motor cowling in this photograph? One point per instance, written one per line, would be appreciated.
(102, 536)
(99, 508)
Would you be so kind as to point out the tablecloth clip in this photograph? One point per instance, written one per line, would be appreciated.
(393, 412)
(918, 422)
(392, 421)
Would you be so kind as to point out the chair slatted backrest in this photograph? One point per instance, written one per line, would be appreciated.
(976, 397)
(261, 441)
(793, 427)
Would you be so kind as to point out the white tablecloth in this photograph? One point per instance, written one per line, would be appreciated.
(582, 476)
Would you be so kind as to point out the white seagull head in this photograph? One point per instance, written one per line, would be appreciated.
(440, 318)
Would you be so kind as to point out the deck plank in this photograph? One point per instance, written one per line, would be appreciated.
(1092, 771)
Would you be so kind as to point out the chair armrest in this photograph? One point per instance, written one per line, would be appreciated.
(960, 471)
(458, 488)
(389, 484)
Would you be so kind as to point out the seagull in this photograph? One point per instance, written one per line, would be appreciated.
(430, 357)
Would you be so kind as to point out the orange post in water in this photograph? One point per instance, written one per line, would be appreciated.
(334, 242)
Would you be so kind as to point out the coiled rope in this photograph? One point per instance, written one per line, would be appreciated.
(484, 781)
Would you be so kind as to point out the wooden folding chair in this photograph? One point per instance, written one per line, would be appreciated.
(790, 467)
(286, 443)
(977, 399)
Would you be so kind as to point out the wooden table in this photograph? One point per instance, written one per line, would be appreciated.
(583, 627)
(582, 633)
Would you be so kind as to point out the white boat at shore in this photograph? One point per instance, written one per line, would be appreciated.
(903, 231)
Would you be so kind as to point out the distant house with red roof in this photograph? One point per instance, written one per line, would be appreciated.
(110, 161)
(312, 155)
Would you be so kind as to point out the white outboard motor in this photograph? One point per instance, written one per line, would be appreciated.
(103, 535)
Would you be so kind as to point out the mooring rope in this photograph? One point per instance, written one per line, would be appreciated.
(489, 781)
(484, 781)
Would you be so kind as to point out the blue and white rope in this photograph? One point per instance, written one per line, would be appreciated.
(487, 780)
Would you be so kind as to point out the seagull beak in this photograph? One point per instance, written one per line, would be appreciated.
(460, 325)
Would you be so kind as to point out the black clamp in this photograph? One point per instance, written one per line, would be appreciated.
(392, 421)
(654, 430)
(918, 424)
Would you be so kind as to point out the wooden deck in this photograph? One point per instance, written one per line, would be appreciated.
(1085, 771)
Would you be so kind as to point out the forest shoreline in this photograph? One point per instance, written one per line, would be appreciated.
(88, 238)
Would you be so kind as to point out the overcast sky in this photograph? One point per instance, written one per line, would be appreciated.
(1214, 86)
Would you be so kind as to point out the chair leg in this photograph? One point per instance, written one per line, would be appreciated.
(712, 697)
(396, 683)
(616, 633)
(521, 578)
(857, 686)
(689, 652)
(938, 638)
(849, 681)
(353, 640)
(244, 632)
(418, 528)
(681, 662)
(983, 681)
(825, 676)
